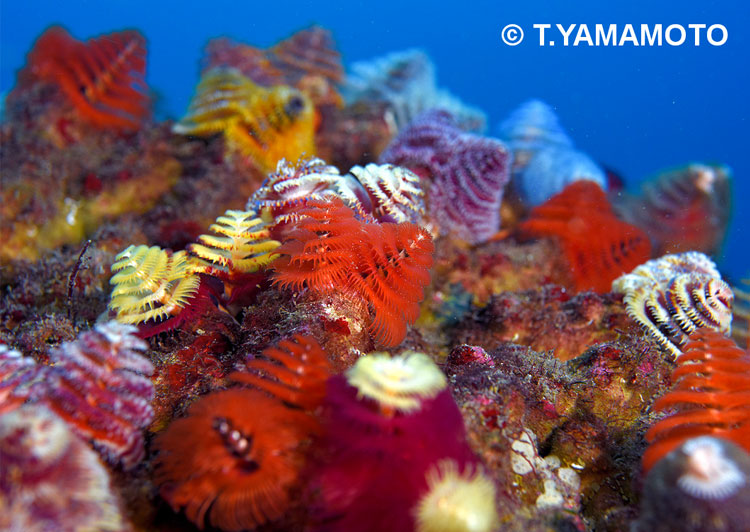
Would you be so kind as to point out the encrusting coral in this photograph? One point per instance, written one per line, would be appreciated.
(516, 397)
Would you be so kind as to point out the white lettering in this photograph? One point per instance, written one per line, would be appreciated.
(724, 34)
(541, 28)
(566, 34)
(646, 35)
(668, 35)
(629, 35)
(603, 39)
(583, 35)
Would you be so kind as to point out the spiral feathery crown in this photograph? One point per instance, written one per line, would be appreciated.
(394, 192)
(457, 502)
(293, 185)
(385, 264)
(102, 78)
(151, 284)
(243, 245)
(296, 372)
(672, 296)
(711, 396)
(400, 382)
(263, 124)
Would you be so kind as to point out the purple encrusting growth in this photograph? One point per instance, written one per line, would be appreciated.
(97, 384)
(467, 173)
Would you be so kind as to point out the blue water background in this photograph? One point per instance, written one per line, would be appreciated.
(637, 110)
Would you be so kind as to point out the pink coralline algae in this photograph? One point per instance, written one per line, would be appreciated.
(97, 384)
(467, 174)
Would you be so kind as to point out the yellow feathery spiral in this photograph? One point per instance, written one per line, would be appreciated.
(151, 284)
(243, 245)
(263, 124)
(397, 383)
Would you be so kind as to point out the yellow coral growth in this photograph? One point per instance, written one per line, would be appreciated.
(244, 245)
(151, 284)
(263, 124)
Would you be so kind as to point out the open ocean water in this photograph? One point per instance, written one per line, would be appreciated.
(636, 109)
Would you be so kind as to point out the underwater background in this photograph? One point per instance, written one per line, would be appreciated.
(635, 110)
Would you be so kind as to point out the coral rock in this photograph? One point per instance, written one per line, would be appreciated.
(466, 174)
(673, 295)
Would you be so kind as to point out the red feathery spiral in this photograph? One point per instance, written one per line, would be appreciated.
(598, 246)
(386, 264)
(711, 396)
(300, 369)
(234, 459)
(102, 78)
